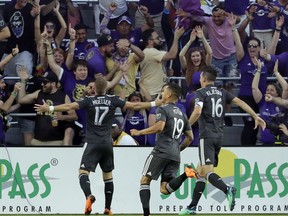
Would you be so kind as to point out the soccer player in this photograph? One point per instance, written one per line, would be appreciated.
(164, 159)
(100, 110)
(209, 107)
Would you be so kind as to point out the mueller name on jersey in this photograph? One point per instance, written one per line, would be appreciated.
(101, 101)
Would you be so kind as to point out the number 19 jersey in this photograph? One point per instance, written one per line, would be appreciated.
(167, 142)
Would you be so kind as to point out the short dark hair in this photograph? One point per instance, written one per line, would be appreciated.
(100, 85)
(146, 35)
(174, 88)
(80, 26)
(210, 73)
(78, 62)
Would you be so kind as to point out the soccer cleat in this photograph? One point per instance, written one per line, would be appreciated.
(231, 192)
(191, 173)
(88, 207)
(188, 211)
(107, 211)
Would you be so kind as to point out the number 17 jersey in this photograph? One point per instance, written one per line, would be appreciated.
(213, 101)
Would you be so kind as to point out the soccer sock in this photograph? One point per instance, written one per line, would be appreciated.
(175, 183)
(108, 190)
(145, 198)
(198, 191)
(85, 184)
(216, 181)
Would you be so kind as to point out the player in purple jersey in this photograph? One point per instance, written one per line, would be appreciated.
(100, 112)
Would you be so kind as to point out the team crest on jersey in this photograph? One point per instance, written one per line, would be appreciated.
(90, 55)
(158, 116)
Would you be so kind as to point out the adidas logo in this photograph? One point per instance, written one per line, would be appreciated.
(149, 173)
(208, 160)
(82, 165)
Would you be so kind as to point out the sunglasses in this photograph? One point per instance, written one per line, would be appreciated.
(49, 26)
(252, 45)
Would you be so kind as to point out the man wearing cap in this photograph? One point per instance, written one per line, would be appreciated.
(50, 127)
(120, 137)
(96, 57)
(124, 27)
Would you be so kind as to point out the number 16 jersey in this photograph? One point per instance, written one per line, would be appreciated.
(213, 101)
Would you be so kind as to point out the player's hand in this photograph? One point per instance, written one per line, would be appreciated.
(134, 132)
(260, 122)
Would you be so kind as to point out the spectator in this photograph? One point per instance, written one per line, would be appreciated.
(155, 9)
(262, 24)
(54, 36)
(19, 17)
(6, 106)
(121, 9)
(248, 67)
(152, 74)
(96, 57)
(130, 54)
(121, 138)
(124, 27)
(279, 8)
(136, 119)
(82, 44)
(50, 127)
(270, 112)
(74, 84)
(192, 62)
(190, 7)
(4, 30)
(69, 11)
(27, 122)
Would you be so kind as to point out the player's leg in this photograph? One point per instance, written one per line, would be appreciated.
(88, 163)
(211, 149)
(169, 175)
(153, 167)
(107, 166)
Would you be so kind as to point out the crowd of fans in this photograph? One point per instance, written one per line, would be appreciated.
(159, 39)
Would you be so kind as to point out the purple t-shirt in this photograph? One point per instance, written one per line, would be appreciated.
(96, 62)
(75, 89)
(248, 69)
(261, 20)
(138, 122)
(268, 110)
(134, 36)
(81, 49)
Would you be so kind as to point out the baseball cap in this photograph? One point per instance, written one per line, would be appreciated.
(104, 40)
(49, 76)
(2, 76)
(124, 18)
(115, 123)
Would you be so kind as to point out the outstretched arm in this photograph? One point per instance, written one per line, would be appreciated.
(59, 108)
(258, 121)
